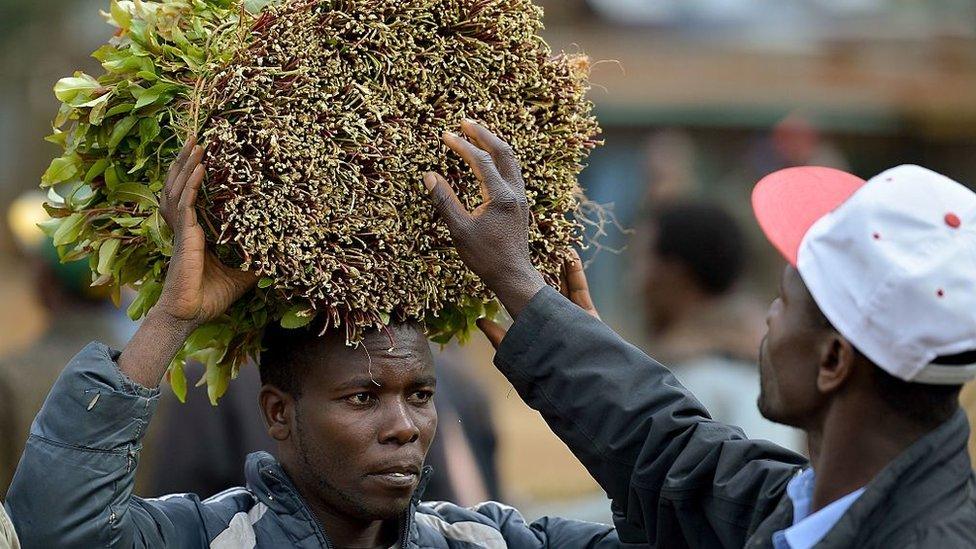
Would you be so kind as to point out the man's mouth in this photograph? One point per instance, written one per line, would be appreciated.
(399, 469)
(397, 476)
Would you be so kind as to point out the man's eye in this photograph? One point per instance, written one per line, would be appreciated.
(360, 399)
(423, 396)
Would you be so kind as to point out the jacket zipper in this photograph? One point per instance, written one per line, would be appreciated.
(315, 520)
(405, 522)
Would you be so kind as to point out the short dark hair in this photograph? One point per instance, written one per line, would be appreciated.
(928, 404)
(284, 361)
(705, 238)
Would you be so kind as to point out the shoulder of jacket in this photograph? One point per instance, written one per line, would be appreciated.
(223, 506)
(480, 525)
(956, 530)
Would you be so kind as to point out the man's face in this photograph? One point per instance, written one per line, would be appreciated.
(789, 355)
(365, 421)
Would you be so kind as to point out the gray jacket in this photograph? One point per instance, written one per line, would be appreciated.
(679, 479)
(73, 488)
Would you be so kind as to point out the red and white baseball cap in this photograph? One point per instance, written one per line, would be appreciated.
(891, 261)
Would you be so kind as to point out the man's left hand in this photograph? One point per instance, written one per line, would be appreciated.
(573, 285)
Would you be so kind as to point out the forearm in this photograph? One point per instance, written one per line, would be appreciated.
(603, 397)
(648, 442)
(74, 482)
(150, 351)
(516, 291)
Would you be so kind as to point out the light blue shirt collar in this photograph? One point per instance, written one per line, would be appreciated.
(808, 529)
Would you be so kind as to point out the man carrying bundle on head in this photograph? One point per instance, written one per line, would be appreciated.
(320, 117)
(352, 425)
(867, 348)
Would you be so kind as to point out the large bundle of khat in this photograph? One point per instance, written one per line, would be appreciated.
(320, 118)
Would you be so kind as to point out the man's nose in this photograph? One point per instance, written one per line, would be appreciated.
(399, 426)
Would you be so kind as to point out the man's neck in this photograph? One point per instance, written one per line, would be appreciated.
(351, 533)
(346, 531)
(853, 446)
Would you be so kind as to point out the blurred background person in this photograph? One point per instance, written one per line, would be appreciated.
(704, 331)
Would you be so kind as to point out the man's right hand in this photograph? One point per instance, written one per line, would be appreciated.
(493, 240)
(198, 286)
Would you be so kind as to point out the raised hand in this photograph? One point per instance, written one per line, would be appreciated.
(493, 240)
(198, 286)
(573, 285)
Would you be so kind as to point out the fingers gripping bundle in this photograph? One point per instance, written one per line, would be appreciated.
(320, 117)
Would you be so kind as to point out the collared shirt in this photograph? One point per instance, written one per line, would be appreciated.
(808, 529)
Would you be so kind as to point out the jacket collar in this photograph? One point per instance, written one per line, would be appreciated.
(933, 469)
(269, 483)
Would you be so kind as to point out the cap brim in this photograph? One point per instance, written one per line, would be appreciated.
(788, 202)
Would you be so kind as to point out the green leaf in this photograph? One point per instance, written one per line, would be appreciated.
(128, 222)
(96, 169)
(204, 336)
(148, 130)
(265, 282)
(120, 109)
(58, 138)
(140, 163)
(80, 196)
(149, 97)
(103, 280)
(106, 255)
(218, 379)
(68, 89)
(97, 113)
(297, 317)
(177, 380)
(100, 99)
(65, 112)
(50, 226)
(121, 129)
(69, 230)
(112, 179)
(385, 318)
(121, 18)
(160, 233)
(56, 212)
(134, 192)
(61, 169)
(77, 253)
(147, 297)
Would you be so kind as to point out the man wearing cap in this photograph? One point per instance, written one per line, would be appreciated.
(866, 350)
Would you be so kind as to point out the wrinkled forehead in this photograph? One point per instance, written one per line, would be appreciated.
(399, 353)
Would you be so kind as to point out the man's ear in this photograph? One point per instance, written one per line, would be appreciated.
(837, 361)
(278, 409)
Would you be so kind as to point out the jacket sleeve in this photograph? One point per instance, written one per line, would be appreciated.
(73, 486)
(672, 473)
(498, 525)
